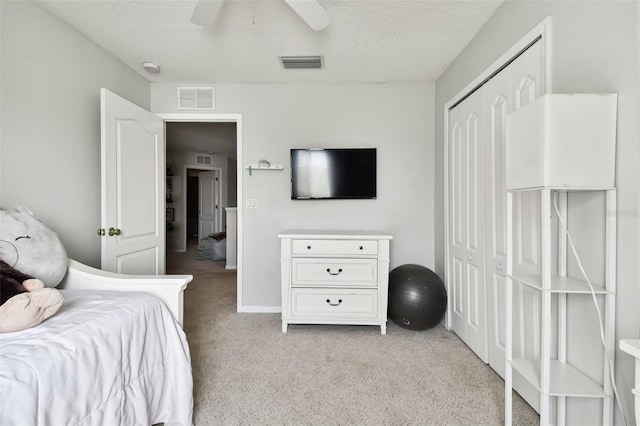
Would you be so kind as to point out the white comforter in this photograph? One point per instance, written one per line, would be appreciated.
(106, 358)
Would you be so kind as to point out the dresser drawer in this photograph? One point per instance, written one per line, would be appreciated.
(335, 303)
(335, 247)
(334, 272)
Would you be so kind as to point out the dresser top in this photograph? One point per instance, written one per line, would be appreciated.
(335, 235)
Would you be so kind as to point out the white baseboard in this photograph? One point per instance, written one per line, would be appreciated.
(260, 309)
(230, 267)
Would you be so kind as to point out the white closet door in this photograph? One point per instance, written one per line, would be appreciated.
(526, 86)
(467, 205)
(516, 86)
(457, 206)
(497, 105)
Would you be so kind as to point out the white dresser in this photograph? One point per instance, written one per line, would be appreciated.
(334, 278)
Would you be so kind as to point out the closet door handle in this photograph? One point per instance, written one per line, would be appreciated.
(470, 258)
(499, 267)
(114, 231)
(334, 273)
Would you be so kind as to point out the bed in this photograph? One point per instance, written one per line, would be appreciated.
(114, 354)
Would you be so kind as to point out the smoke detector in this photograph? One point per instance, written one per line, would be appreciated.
(151, 67)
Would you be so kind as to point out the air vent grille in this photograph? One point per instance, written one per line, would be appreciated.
(301, 62)
(196, 98)
(204, 160)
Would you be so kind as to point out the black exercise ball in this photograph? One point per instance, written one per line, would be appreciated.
(417, 297)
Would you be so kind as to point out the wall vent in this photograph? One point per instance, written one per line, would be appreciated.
(196, 98)
(204, 160)
(301, 62)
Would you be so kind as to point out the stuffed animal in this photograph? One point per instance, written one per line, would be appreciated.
(33, 260)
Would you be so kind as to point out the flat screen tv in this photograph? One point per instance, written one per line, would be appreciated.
(325, 174)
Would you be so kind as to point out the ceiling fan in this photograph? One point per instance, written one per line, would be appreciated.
(206, 12)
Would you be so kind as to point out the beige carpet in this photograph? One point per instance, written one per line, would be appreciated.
(246, 371)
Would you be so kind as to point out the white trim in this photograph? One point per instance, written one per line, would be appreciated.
(543, 29)
(226, 117)
(261, 309)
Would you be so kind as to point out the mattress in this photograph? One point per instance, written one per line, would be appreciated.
(105, 358)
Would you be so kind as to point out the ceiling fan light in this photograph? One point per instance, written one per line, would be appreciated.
(206, 12)
(311, 12)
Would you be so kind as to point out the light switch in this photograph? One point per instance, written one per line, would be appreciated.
(251, 203)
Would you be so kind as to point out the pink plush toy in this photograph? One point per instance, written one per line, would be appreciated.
(32, 262)
(25, 300)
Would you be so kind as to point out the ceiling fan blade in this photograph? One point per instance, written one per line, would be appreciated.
(206, 12)
(311, 12)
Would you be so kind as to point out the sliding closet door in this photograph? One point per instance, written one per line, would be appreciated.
(517, 85)
(497, 97)
(466, 222)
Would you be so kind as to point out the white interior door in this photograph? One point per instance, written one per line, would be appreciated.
(457, 205)
(132, 187)
(515, 86)
(497, 96)
(209, 203)
(467, 204)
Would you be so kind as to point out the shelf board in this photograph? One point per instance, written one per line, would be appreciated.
(264, 167)
(561, 284)
(560, 189)
(565, 380)
(631, 346)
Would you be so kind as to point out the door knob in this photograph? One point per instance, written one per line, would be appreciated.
(101, 232)
(113, 231)
(470, 257)
(499, 267)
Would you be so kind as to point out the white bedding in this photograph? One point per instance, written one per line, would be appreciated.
(106, 358)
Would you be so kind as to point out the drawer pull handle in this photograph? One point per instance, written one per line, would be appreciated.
(334, 273)
(308, 247)
(334, 304)
(361, 247)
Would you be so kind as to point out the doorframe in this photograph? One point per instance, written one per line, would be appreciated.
(223, 118)
(542, 31)
(184, 189)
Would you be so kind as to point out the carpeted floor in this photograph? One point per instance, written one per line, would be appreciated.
(246, 371)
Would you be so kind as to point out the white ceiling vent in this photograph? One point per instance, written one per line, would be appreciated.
(204, 160)
(301, 62)
(197, 98)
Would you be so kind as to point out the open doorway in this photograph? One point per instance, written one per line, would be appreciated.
(204, 209)
(202, 159)
(197, 145)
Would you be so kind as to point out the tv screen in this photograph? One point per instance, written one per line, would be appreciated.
(318, 174)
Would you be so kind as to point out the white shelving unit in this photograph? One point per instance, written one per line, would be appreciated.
(555, 377)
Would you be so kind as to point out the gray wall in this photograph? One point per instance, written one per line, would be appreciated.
(595, 50)
(50, 125)
(397, 119)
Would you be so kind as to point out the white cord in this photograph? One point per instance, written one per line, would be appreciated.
(595, 302)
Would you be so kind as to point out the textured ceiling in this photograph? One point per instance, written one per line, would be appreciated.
(366, 41)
